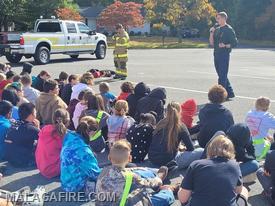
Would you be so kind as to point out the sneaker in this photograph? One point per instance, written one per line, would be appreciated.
(162, 172)
(230, 97)
(123, 77)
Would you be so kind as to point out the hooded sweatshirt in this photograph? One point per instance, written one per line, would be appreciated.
(4, 127)
(141, 90)
(188, 111)
(155, 102)
(241, 138)
(20, 143)
(46, 105)
(47, 153)
(76, 89)
(78, 163)
(213, 118)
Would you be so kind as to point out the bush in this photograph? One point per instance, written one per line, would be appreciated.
(132, 33)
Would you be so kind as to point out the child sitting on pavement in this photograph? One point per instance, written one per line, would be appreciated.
(114, 179)
(127, 88)
(266, 176)
(108, 97)
(119, 123)
(140, 136)
(260, 121)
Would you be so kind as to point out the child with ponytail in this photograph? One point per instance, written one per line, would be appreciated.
(50, 144)
(79, 167)
(140, 136)
(166, 145)
(119, 123)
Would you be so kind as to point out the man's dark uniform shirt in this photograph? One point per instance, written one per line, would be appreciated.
(226, 35)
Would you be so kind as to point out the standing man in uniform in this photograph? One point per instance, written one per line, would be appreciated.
(223, 39)
(121, 39)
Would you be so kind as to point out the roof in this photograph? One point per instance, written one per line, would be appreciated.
(91, 12)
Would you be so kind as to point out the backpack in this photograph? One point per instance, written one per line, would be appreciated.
(138, 197)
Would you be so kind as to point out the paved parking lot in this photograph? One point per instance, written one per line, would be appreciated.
(185, 73)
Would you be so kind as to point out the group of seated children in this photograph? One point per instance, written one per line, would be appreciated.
(61, 126)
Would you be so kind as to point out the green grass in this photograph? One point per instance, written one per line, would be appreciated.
(258, 43)
(156, 43)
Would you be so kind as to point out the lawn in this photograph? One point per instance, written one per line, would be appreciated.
(156, 42)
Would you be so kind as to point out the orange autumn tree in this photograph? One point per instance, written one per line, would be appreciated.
(128, 14)
(68, 14)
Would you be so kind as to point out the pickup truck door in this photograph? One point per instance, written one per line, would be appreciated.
(72, 38)
(87, 39)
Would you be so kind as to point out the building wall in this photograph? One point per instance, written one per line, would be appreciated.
(91, 22)
(145, 29)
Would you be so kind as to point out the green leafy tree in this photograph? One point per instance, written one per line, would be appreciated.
(10, 11)
(248, 11)
(265, 24)
(180, 13)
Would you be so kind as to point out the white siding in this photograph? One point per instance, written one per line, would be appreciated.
(145, 28)
(92, 23)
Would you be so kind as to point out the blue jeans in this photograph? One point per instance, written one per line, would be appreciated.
(184, 159)
(249, 167)
(221, 60)
(163, 197)
(264, 180)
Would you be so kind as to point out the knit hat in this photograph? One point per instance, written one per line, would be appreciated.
(189, 106)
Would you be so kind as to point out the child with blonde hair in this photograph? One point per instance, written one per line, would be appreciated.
(119, 122)
(260, 122)
(117, 177)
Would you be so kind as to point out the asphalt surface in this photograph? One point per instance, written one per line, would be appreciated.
(185, 73)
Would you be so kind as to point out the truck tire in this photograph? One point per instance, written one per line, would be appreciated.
(74, 56)
(100, 52)
(14, 58)
(42, 55)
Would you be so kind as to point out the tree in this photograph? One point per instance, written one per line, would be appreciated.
(128, 14)
(102, 2)
(68, 14)
(199, 14)
(265, 24)
(180, 13)
(10, 11)
(248, 11)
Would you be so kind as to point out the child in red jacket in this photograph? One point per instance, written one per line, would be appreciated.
(127, 88)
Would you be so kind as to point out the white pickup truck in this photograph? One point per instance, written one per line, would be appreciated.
(53, 36)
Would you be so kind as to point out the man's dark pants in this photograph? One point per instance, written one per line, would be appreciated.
(221, 60)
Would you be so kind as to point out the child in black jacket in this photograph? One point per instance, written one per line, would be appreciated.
(140, 136)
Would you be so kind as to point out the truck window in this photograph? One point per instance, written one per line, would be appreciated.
(83, 28)
(51, 27)
(71, 28)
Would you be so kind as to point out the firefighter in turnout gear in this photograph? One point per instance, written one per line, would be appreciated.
(121, 39)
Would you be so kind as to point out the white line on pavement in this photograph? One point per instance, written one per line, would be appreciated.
(234, 75)
(196, 91)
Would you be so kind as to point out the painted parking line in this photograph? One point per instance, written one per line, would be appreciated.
(195, 91)
(234, 75)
